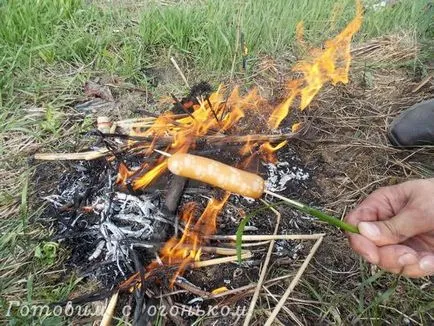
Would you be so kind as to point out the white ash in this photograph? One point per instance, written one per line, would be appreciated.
(195, 300)
(279, 174)
(117, 221)
(136, 215)
(284, 248)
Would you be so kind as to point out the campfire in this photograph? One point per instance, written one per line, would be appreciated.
(212, 157)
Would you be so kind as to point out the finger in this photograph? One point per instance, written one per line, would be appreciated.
(361, 213)
(424, 267)
(422, 243)
(394, 258)
(379, 205)
(364, 247)
(406, 224)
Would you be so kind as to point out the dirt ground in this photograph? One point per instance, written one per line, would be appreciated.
(344, 149)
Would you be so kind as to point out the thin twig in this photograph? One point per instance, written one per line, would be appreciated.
(86, 156)
(294, 282)
(264, 268)
(190, 287)
(179, 71)
(222, 260)
(248, 288)
(108, 314)
(289, 312)
(277, 321)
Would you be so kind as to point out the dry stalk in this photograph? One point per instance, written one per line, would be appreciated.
(264, 268)
(108, 314)
(289, 312)
(248, 288)
(277, 321)
(294, 282)
(222, 260)
(251, 244)
(215, 250)
(86, 156)
(175, 64)
(184, 284)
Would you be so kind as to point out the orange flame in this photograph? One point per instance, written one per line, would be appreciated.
(151, 175)
(296, 127)
(331, 64)
(222, 114)
(186, 249)
(123, 173)
(268, 151)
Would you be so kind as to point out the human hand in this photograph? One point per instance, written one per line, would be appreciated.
(396, 227)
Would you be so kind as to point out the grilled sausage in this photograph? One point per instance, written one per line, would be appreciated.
(216, 174)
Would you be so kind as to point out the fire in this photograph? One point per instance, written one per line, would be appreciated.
(149, 176)
(329, 65)
(268, 151)
(187, 248)
(221, 114)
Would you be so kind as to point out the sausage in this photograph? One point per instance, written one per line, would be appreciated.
(217, 174)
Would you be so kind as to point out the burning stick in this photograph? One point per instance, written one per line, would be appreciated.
(165, 140)
(214, 139)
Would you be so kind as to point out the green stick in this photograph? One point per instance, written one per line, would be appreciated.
(317, 213)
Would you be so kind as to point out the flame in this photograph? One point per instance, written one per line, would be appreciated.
(329, 65)
(268, 151)
(217, 115)
(151, 175)
(213, 115)
(123, 173)
(247, 148)
(296, 127)
(187, 248)
(222, 113)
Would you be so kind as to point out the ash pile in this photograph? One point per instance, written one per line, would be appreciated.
(110, 230)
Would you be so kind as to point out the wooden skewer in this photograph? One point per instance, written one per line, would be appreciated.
(267, 237)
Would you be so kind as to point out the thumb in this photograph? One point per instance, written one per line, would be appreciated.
(399, 228)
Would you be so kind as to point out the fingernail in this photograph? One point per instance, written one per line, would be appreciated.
(369, 230)
(407, 259)
(427, 264)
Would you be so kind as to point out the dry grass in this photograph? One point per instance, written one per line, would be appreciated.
(345, 144)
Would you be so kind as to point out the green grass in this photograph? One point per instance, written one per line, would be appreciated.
(44, 33)
(49, 48)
